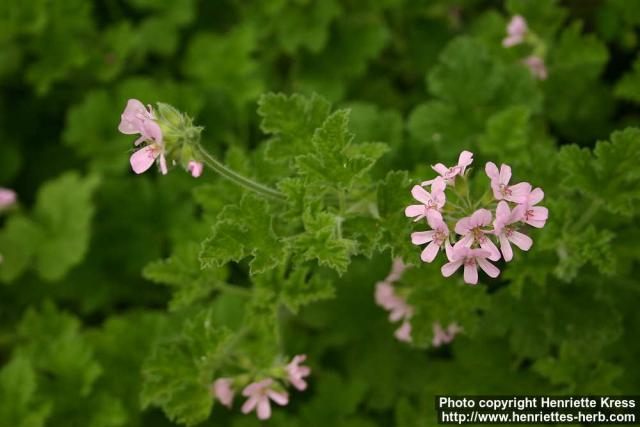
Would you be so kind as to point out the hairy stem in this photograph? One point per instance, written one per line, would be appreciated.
(236, 178)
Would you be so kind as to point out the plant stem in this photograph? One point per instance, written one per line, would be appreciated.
(236, 178)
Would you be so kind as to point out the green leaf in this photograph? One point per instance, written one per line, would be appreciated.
(301, 288)
(322, 241)
(609, 174)
(628, 87)
(19, 406)
(63, 212)
(335, 161)
(183, 273)
(292, 122)
(18, 243)
(394, 195)
(179, 373)
(244, 230)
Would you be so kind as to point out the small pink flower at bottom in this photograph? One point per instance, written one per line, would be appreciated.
(222, 391)
(535, 216)
(297, 373)
(470, 228)
(449, 174)
(471, 259)
(403, 333)
(500, 184)
(144, 158)
(437, 238)
(258, 395)
(195, 168)
(506, 232)
(516, 30)
(440, 336)
(7, 197)
(432, 201)
(536, 66)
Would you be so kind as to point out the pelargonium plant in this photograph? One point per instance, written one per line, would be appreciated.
(467, 229)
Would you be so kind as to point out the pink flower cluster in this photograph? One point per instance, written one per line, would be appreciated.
(141, 120)
(399, 309)
(259, 394)
(7, 198)
(517, 32)
(471, 244)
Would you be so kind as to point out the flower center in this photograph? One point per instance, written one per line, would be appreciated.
(478, 235)
(505, 190)
(470, 262)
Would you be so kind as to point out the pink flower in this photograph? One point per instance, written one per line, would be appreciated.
(144, 158)
(223, 392)
(500, 184)
(440, 336)
(471, 259)
(535, 216)
(516, 30)
(7, 198)
(470, 228)
(297, 372)
(431, 202)
(437, 238)
(137, 119)
(537, 66)
(386, 297)
(403, 333)
(258, 394)
(506, 232)
(449, 174)
(195, 168)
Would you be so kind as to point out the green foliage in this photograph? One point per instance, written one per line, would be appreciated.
(124, 296)
(54, 237)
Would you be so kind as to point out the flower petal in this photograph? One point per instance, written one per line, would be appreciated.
(471, 274)
(142, 159)
(420, 194)
(505, 247)
(429, 253)
(414, 211)
(280, 397)
(519, 192)
(264, 408)
(489, 246)
(505, 174)
(492, 171)
(487, 267)
(451, 267)
(522, 241)
(422, 237)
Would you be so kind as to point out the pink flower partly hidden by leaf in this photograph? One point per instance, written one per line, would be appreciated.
(195, 168)
(471, 259)
(470, 228)
(536, 66)
(258, 395)
(432, 201)
(507, 233)
(535, 216)
(403, 333)
(500, 184)
(223, 392)
(449, 174)
(437, 238)
(441, 336)
(297, 372)
(516, 30)
(7, 197)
